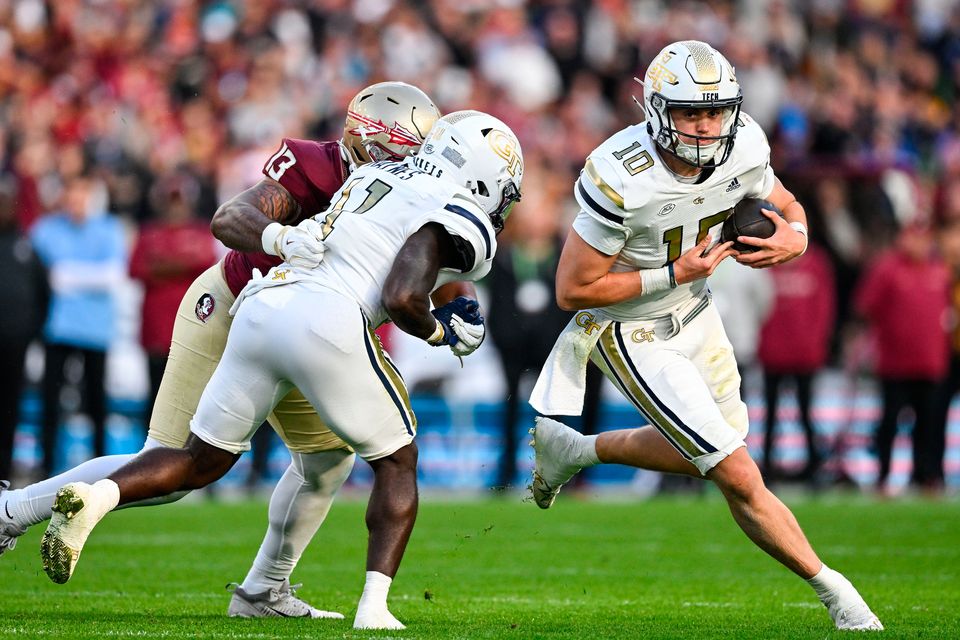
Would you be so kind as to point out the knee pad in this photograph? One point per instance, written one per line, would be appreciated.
(324, 471)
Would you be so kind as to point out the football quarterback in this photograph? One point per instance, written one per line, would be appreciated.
(652, 199)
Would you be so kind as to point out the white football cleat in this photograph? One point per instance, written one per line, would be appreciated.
(553, 443)
(380, 618)
(856, 617)
(9, 530)
(77, 509)
(849, 611)
(281, 602)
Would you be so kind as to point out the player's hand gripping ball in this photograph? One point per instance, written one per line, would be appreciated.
(747, 219)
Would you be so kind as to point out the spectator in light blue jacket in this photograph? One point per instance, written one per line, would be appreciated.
(83, 249)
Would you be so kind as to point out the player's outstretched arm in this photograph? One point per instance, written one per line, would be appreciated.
(790, 238)
(239, 222)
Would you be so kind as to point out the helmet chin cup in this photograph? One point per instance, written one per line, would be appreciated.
(698, 154)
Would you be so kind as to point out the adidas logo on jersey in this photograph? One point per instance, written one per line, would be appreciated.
(734, 184)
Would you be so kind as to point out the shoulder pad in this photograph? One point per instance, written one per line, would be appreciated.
(468, 215)
(751, 139)
(624, 161)
(311, 171)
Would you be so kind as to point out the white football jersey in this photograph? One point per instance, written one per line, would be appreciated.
(634, 207)
(372, 215)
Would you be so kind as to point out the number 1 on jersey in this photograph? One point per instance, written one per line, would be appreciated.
(375, 192)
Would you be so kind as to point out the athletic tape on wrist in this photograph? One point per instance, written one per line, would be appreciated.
(801, 228)
(436, 338)
(654, 280)
(269, 238)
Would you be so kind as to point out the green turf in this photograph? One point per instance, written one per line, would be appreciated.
(501, 568)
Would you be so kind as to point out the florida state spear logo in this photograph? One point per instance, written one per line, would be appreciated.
(205, 306)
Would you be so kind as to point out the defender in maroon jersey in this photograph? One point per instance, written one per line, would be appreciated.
(385, 120)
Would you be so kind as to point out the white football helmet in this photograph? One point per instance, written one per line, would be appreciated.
(387, 121)
(479, 152)
(691, 74)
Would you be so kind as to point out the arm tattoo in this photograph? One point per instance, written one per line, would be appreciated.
(274, 201)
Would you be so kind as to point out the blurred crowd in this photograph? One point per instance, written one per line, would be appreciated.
(138, 114)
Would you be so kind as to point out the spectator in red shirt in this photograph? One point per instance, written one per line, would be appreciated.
(795, 341)
(949, 237)
(904, 296)
(169, 255)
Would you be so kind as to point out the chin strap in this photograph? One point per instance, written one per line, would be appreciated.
(346, 157)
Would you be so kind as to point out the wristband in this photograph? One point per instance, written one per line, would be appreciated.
(654, 280)
(436, 338)
(269, 238)
(799, 227)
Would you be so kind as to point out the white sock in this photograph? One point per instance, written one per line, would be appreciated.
(587, 452)
(829, 583)
(375, 592)
(34, 503)
(110, 492)
(298, 506)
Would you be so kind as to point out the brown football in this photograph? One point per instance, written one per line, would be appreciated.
(747, 219)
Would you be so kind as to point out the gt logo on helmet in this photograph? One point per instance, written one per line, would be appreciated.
(659, 74)
(504, 146)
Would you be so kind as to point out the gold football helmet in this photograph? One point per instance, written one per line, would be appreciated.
(387, 121)
(691, 75)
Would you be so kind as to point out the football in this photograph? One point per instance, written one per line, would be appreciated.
(748, 220)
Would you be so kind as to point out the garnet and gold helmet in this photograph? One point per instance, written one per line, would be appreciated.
(387, 121)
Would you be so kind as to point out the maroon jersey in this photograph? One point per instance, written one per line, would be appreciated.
(906, 304)
(312, 172)
(166, 259)
(796, 336)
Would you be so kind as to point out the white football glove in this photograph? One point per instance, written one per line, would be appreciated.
(300, 246)
(470, 336)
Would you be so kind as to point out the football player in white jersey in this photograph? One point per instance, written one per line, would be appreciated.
(387, 120)
(394, 233)
(652, 198)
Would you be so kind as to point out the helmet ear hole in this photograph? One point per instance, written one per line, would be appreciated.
(482, 189)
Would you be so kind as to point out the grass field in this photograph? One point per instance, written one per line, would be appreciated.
(501, 568)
